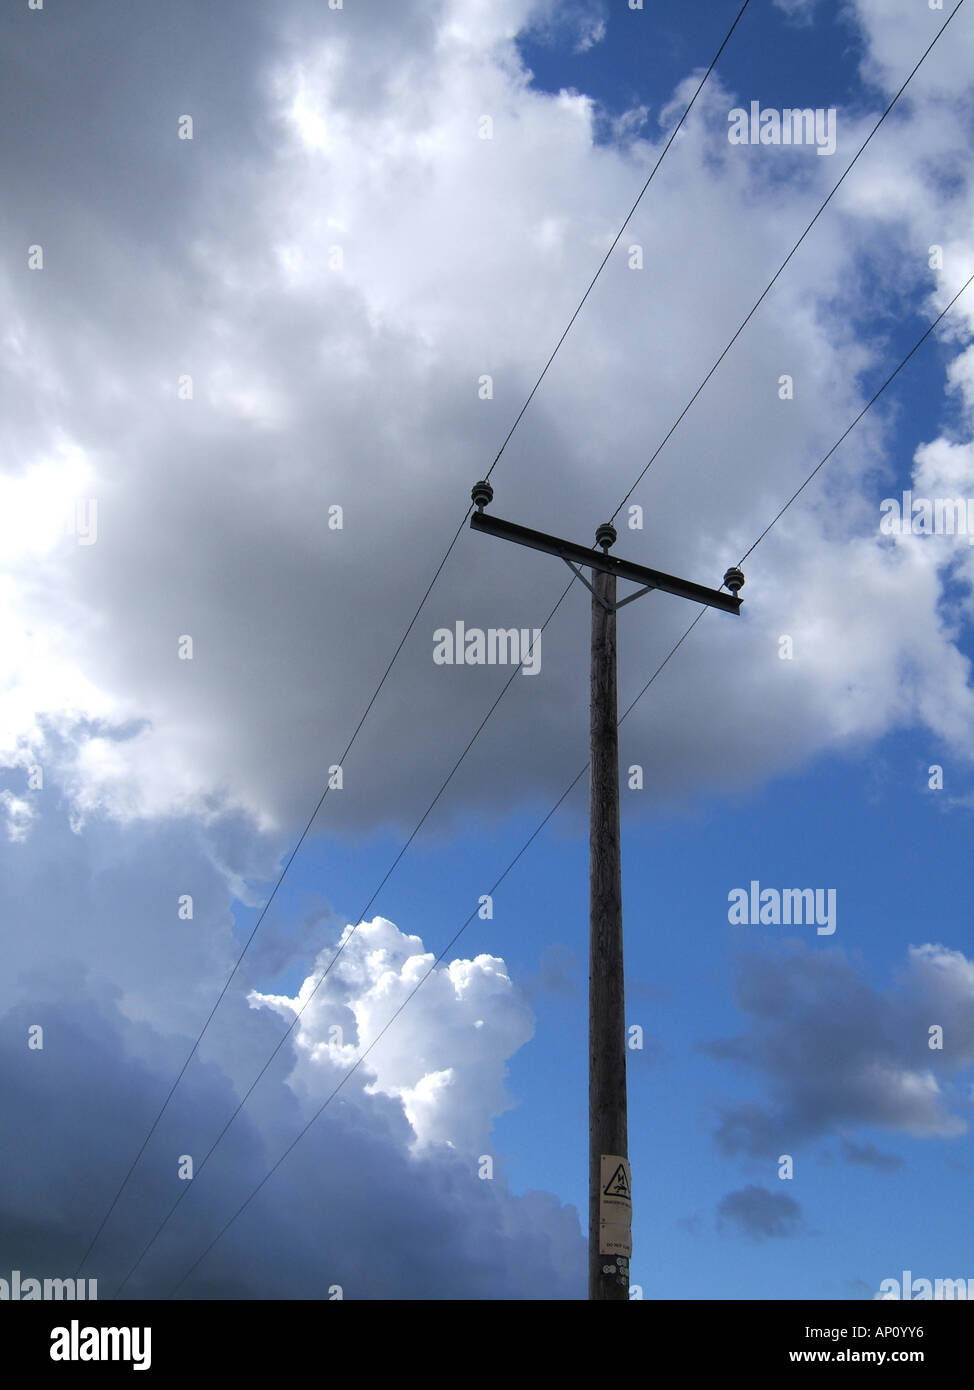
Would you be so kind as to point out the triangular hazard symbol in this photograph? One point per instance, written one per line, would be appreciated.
(618, 1184)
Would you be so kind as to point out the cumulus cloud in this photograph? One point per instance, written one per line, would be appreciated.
(447, 1058)
(831, 1049)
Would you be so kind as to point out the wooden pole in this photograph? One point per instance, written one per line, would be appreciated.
(610, 1181)
(610, 1205)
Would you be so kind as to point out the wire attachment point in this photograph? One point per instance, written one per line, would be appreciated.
(606, 535)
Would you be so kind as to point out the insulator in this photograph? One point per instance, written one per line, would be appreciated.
(481, 493)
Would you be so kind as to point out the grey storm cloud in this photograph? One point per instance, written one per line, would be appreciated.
(348, 1209)
(95, 954)
(754, 1211)
(830, 1050)
(120, 989)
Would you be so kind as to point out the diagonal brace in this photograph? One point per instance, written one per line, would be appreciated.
(609, 607)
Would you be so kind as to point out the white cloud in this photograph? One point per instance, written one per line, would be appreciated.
(446, 1058)
(19, 815)
(593, 32)
(897, 32)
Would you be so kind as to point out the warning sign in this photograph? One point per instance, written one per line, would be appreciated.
(615, 1206)
(618, 1184)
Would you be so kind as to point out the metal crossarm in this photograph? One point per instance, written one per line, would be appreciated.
(607, 564)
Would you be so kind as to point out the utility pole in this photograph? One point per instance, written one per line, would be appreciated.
(610, 1182)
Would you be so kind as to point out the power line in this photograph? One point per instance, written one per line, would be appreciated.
(565, 794)
(395, 655)
(625, 224)
(344, 942)
(361, 1059)
(919, 342)
(560, 600)
(246, 947)
(781, 267)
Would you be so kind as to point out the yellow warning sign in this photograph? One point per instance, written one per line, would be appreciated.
(615, 1206)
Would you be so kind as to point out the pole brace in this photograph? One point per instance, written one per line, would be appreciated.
(609, 607)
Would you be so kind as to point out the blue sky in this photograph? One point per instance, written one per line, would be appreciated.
(643, 54)
(866, 824)
(312, 387)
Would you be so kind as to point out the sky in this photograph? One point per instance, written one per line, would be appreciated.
(277, 282)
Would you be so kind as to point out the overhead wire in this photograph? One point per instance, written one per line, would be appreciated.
(243, 1206)
(346, 938)
(503, 691)
(222, 994)
(770, 285)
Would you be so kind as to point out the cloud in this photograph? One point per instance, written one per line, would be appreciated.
(582, 23)
(19, 814)
(356, 385)
(446, 1060)
(870, 1157)
(830, 1049)
(592, 34)
(332, 265)
(762, 1215)
(895, 34)
(357, 1203)
(99, 958)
